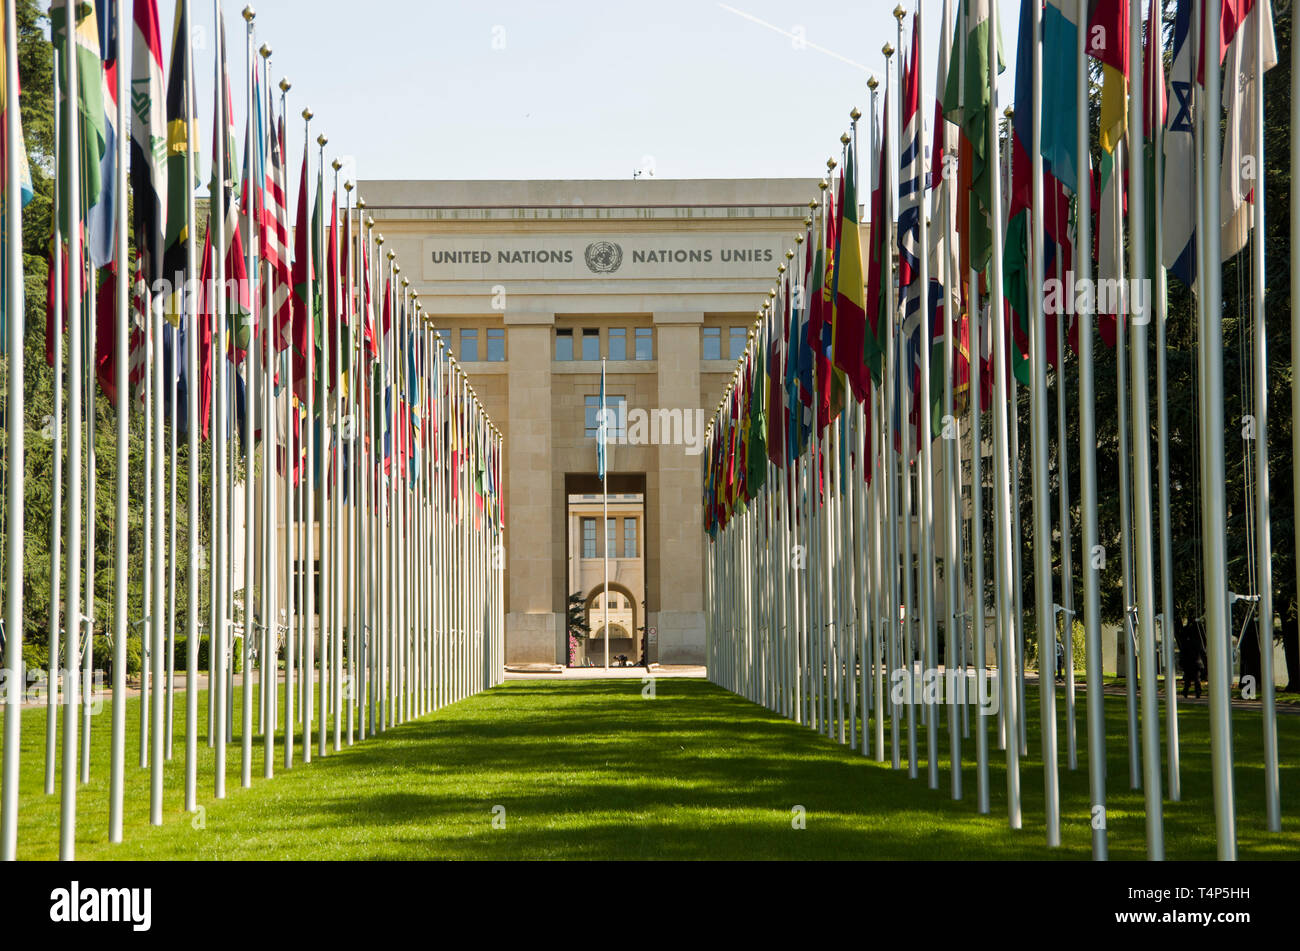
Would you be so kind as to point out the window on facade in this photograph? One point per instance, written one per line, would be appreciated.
(468, 344)
(712, 346)
(629, 538)
(496, 344)
(617, 343)
(445, 337)
(611, 537)
(737, 339)
(591, 344)
(588, 538)
(615, 404)
(563, 344)
(645, 349)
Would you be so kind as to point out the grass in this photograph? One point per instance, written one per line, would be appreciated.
(591, 770)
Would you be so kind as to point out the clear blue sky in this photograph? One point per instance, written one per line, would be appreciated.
(575, 89)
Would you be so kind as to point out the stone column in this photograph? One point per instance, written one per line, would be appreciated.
(532, 630)
(680, 537)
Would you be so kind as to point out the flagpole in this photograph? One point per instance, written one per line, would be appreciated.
(122, 451)
(1045, 615)
(1002, 463)
(270, 441)
(309, 573)
(15, 475)
(927, 449)
(1294, 141)
(1090, 549)
(72, 605)
(290, 495)
(909, 568)
(56, 502)
(604, 502)
(246, 695)
(889, 467)
(221, 588)
(1214, 529)
(1263, 531)
(1168, 623)
(192, 436)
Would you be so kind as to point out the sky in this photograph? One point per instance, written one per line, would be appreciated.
(576, 89)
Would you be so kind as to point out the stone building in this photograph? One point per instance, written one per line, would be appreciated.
(533, 283)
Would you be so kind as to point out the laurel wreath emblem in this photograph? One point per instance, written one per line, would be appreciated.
(603, 257)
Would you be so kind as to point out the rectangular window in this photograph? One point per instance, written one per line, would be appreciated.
(468, 345)
(591, 344)
(611, 537)
(496, 344)
(615, 404)
(629, 538)
(645, 349)
(563, 344)
(588, 538)
(737, 337)
(617, 343)
(712, 346)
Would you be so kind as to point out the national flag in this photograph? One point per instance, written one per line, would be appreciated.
(275, 228)
(756, 450)
(238, 307)
(304, 276)
(1060, 110)
(966, 102)
(149, 140)
(601, 428)
(25, 188)
(1180, 152)
(879, 268)
(911, 193)
(182, 138)
(93, 132)
(101, 214)
(850, 328)
(1108, 25)
(1242, 74)
(138, 364)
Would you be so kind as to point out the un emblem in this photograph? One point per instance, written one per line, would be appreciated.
(603, 257)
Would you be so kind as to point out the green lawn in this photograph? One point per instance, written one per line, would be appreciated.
(593, 770)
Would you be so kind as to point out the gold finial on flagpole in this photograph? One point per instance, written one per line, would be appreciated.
(307, 114)
(888, 50)
(321, 140)
(336, 165)
(249, 13)
(844, 138)
(854, 114)
(873, 83)
(899, 13)
(265, 51)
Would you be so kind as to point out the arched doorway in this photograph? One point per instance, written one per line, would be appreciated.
(624, 622)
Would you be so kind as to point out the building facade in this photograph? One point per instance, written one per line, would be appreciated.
(533, 284)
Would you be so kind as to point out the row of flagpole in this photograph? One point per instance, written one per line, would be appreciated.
(406, 610)
(807, 503)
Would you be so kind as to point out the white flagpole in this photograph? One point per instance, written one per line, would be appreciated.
(270, 441)
(1046, 619)
(117, 764)
(192, 437)
(1168, 623)
(1294, 138)
(246, 695)
(1001, 461)
(1141, 417)
(72, 606)
(1088, 467)
(604, 502)
(1263, 532)
(56, 502)
(1214, 527)
(221, 588)
(926, 490)
(16, 420)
